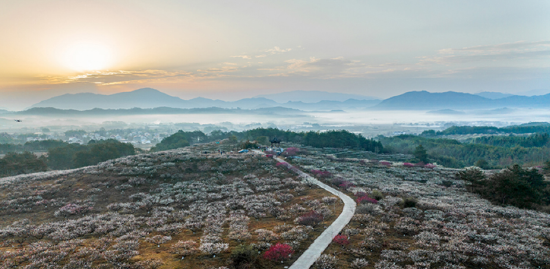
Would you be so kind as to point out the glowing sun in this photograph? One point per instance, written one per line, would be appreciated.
(87, 57)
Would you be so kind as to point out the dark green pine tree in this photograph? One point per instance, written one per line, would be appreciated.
(420, 154)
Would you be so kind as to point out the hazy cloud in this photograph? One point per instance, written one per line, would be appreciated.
(242, 56)
(277, 50)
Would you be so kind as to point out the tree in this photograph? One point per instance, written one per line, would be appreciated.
(420, 154)
(482, 163)
(21, 163)
(524, 188)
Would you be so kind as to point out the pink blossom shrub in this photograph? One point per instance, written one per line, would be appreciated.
(366, 200)
(430, 166)
(278, 252)
(341, 240)
(72, 209)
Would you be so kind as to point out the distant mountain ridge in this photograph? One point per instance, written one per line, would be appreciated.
(494, 95)
(49, 111)
(313, 96)
(423, 100)
(151, 98)
(148, 98)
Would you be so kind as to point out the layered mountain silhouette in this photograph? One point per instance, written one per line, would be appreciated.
(151, 98)
(313, 96)
(423, 100)
(147, 98)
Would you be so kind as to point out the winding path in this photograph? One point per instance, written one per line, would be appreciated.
(321, 243)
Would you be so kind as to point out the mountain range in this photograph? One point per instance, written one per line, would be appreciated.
(151, 98)
(313, 96)
(423, 100)
(148, 98)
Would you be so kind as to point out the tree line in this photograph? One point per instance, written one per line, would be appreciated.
(334, 139)
(485, 152)
(64, 156)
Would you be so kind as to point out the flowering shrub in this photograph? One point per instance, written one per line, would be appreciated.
(430, 166)
(385, 163)
(278, 252)
(345, 185)
(291, 151)
(72, 209)
(321, 174)
(329, 200)
(326, 261)
(310, 219)
(359, 263)
(158, 239)
(366, 200)
(213, 248)
(341, 240)
(408, 164)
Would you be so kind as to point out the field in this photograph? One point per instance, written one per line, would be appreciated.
(187, 208)
(425, 218)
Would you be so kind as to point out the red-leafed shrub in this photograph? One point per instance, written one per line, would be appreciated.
(360, 194)
(366, 200)
(341, 240)
(310, 219)
(269, 155)
(408, 164)
(278, 252)
(385, 163)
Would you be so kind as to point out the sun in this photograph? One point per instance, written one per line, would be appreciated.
(87, 57)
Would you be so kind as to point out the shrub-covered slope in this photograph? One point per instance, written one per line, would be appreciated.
(173, 209)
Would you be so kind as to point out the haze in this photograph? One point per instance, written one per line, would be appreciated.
(236, 49)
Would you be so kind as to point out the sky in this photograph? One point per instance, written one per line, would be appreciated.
(230, 49)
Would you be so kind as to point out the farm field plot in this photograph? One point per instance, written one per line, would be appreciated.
(413, 217)
(175, 209)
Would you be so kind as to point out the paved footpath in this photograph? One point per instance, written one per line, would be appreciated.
(321, 243)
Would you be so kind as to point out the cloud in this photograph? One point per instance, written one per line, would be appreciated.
(491, 53)
(242, 56)
(520, 45)
(276, 50)
(118, 77)
(260, 56)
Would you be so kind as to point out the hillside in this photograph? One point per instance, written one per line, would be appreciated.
(183, 208)
(196, 208)
(424, 217)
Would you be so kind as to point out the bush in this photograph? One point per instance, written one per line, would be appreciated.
(341, 240)
(371, 209)
(409, 202)
(359, 263)
(366, 200)
(244, 256)
(337, 181)
(447, 183)
(310, 219)
(524, 188)
(278, 252)
(326, 262)
(376, 194)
